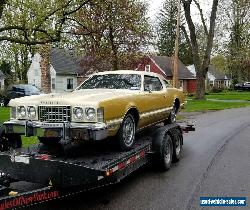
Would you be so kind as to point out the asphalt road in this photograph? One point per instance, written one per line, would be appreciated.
(215, 162)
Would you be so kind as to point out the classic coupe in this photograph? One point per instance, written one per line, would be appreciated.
(113, 103)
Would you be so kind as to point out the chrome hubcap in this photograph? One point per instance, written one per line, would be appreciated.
(128, 131)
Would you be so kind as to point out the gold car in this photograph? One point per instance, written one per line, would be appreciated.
(113, 103)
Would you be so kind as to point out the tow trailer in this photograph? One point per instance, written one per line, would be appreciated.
(66, 169)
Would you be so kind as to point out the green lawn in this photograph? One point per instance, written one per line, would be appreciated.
(5, 115)
(204, 105)
(230, 95)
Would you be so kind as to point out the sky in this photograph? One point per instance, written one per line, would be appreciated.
(156, 5)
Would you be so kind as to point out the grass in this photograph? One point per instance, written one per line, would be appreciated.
(5, 115)
(230, 95)
(204, 105)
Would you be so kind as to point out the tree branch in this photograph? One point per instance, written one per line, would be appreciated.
(202, 16)
(186, 36)
(209, 47)
(28, 42)
(193, 37)
(56, 36)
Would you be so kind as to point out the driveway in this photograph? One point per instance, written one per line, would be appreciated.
(215, 162)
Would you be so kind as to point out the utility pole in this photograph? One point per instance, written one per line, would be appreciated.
(176, 64)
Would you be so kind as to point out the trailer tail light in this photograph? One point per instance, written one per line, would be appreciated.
(43, 157)
(127, 162)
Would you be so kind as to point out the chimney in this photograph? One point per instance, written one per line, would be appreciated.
(45, 51)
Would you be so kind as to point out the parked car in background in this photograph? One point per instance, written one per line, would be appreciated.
(112, 103)
(17, 91)
(242, 86)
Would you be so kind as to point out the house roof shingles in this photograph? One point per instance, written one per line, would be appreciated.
(166, 64)
(63, 62)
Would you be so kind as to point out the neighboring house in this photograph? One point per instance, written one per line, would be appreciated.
(1, 80)
(164, 65)
(215, 78)
(63, 70)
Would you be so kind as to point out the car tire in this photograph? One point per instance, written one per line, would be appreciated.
(163, 147)
(126, 133)
(172, 116)
(177, 145)
(49, 141)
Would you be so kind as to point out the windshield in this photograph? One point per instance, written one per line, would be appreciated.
(113, 81)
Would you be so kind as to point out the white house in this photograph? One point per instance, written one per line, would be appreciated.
(1, 80)
(215, 78)
(63, 70)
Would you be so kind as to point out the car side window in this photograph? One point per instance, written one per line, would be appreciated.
(152, 83)
(166, 83)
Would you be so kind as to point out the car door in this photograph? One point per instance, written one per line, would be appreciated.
(154, 101)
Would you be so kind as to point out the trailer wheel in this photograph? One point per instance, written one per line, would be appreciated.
(126, 133)
(177, 145)
(163, 148)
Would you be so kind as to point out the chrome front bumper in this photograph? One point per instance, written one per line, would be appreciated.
(65, 130)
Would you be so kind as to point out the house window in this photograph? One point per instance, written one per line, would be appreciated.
(147, 68)
(181, 83)
(53, 83)
(70, 84)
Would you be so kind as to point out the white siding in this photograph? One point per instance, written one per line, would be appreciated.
(34, 76)
(34, 72)
(61, 83)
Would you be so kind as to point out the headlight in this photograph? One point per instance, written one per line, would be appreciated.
(21, 111)
(31, 111)
(90, 113)
(78, 112)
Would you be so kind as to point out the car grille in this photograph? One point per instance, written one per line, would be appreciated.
(54, 113)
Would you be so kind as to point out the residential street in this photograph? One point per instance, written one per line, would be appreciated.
(215, 162)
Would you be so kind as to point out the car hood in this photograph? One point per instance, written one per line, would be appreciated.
(78, 97)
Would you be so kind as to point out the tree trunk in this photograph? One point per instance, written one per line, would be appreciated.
(200, 85)
(201, 65)
(45, 68)
(114, 49)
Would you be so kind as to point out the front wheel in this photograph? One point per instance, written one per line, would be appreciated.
(126, 133)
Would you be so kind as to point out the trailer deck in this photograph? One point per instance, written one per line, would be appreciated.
(68, 169)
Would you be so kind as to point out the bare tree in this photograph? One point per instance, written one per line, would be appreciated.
(35, 22)
(201, 61)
